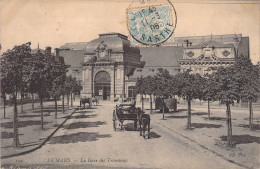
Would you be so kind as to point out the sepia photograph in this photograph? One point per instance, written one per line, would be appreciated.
(130, 84)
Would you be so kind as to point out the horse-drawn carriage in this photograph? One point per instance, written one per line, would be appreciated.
(89, 101)
(124, 112)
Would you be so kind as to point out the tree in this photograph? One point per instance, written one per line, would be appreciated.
(162, 86)
(248, 78)
(228, 87)
(59, 76)
(140, 89)
(39, 71)
(77, 87)
(209, 90)
(12, 65)
(149, 89)
(188, 87)
(69, 84)
(4, 90)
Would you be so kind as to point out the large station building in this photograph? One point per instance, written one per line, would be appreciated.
(109, 66)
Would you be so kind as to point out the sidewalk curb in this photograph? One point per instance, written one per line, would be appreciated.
(47, 139)
(212, 151)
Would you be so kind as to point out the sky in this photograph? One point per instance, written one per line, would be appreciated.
(54, 23)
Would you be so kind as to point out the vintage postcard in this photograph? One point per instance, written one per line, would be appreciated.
(109, 84)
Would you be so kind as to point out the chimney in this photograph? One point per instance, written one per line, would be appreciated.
(57, 56)
(48, 50)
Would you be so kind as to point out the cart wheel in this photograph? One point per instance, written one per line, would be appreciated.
(114, 124)
(135, 125)
(114, 120)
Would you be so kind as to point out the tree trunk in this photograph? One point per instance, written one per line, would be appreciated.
(71, 100)
(68, 101)
(62, 103)
(151, 104)
(41, 112)
(208, 110)
(251, 124)
(163, 109)
(189, 114)
(142, 102)
(4, 104)
(229, 126)
(21, 103)
(16, 143)
(32, 101)
(56, 111)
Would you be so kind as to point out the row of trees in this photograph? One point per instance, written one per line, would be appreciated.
(227, 85)
(24, 72)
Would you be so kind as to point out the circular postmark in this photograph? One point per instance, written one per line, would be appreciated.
(153, 24)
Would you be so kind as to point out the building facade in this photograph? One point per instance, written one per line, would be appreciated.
(109, 67)
(204, 55)
(108, 63)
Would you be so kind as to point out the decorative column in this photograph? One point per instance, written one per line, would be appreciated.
(83, 80)
(92, 80)
(112, 83)
(124, 81)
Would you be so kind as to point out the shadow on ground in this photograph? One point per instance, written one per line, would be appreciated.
(7, 135)
(130, 127)
(154, 135)
(216, 118)
(48, 111)
(176, 117)
(205, 125)
(86, 107)
(255, 118)
(83, 116)
(32, 116)
(77, 137)
(84, 112)
(199, 113)
(255, 126)
(180, 110)
(78, 125)
(22, 124)
(242, 139)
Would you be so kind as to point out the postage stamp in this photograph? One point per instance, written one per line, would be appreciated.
(151, 25)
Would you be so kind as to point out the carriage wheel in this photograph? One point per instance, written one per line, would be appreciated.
(135, 124)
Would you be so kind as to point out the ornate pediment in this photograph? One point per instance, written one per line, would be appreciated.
(102, 52)
(225, 53)
(190, 53)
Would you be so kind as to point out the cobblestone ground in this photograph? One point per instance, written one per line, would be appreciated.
(87, 140)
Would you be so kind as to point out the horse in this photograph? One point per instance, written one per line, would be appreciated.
(84, 101)
(95, 100)
(144, 121)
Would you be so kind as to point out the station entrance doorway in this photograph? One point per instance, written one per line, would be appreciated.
(102, 85)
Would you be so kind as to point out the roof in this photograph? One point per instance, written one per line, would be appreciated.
(216, 44)
(158, 57)
(113, 34)
(34, 51)
(114, 41)
(74, 58)
(243, 47)
(227, 38)
(162, 56)
(74, 46)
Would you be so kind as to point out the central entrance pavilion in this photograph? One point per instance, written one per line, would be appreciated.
(109, 61)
